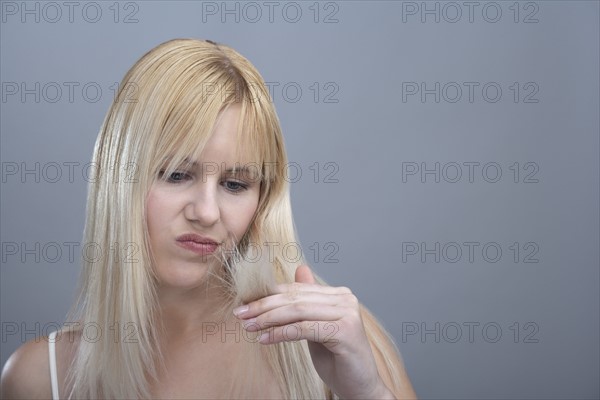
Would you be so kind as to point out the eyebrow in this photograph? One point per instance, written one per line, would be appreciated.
(238, 168)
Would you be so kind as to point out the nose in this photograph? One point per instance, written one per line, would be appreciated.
(203, 205)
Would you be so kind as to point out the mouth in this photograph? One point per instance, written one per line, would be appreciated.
(198, 244)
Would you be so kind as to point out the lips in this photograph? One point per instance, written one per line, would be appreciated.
(198, 244)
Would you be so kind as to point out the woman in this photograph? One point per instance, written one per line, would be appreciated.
(189, 293)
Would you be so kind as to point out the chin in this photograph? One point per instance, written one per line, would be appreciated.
(184, 276)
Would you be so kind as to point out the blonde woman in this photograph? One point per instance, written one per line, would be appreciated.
(188, 293)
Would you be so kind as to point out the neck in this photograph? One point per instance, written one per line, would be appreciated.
(187, 311)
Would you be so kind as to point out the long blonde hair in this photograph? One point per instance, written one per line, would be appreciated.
(166, 107)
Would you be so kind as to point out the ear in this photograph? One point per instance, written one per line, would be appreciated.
(304, 275)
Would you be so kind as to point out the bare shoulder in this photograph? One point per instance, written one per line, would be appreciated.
(26, 374)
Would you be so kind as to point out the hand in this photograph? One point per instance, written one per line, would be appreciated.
(329, 319)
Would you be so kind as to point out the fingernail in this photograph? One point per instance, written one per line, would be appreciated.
(264, 338)
(240, 310)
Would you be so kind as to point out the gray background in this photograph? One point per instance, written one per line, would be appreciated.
(375, 221)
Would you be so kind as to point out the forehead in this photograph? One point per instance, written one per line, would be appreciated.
(226, 146)
(225, 141)
(224, 136)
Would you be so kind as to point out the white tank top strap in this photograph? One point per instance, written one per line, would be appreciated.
(52, 354)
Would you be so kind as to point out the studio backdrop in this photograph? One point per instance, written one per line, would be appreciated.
(443, 162)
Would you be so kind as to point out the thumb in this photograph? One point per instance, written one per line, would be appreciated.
(304, 275)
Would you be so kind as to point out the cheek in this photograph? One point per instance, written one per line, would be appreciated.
(157, 212)
(241, 216)
(151, 207)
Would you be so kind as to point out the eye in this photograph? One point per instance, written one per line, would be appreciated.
(175, 177)
(235, 186)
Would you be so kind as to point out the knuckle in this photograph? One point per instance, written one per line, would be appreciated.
(259, 304)
(293, 293)
(345, 290)
(351, 299)
(300, 307)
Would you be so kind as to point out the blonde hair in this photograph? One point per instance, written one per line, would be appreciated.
(164, 113)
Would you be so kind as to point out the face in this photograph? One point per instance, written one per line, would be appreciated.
(194, 213)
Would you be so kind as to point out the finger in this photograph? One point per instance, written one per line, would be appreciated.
(315, 299)
(325, 332)
(304, 275)
(308, 287)
(296, 312)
